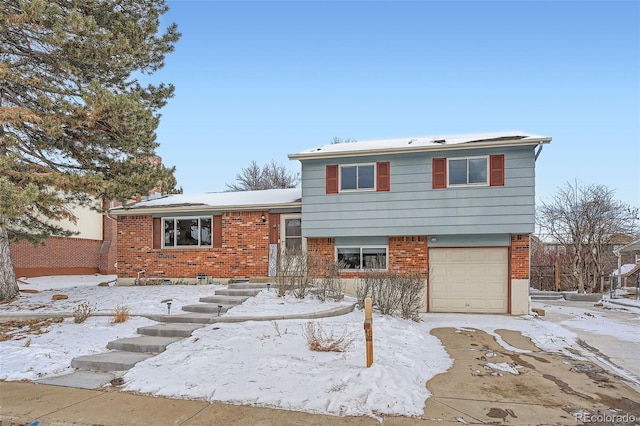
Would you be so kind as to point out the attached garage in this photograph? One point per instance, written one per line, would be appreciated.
(469, 280)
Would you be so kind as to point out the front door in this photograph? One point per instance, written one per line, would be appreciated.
(291, 241)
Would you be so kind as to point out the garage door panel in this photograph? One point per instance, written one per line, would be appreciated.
(468, 280)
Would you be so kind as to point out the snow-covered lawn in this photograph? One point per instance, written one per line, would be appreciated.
(265, 363)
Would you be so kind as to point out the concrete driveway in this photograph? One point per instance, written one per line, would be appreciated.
(612, 342)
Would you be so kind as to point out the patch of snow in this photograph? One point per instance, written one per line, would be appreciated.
(503, 366)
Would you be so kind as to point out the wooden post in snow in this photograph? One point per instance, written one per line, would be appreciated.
(557, 271)
(368, 330)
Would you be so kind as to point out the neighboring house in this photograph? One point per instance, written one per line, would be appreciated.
(457, 209)
(92, 250)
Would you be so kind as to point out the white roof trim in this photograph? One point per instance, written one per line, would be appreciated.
(423, 143)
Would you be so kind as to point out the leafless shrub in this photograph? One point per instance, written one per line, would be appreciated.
(121, 313)
(330, 286)
(392, 292)
(27, 343)
(321, 341)
(82, 312)
(293, 274)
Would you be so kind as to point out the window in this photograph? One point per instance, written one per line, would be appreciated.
(468, 171)
(362, 257)
(357, 177)
(187, 232)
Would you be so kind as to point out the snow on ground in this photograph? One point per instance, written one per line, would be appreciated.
(142, 300)
(37, 356)
(267, 303)
(264, 363)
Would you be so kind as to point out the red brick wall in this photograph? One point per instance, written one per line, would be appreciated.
(109, 247)
(406, 254)
(244, 251)
(519, 257)
(58, 256)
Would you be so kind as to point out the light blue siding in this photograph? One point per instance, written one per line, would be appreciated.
(412, 207)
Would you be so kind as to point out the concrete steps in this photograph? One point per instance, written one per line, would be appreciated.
(142, 344)
(249, 292)
(248, 286)
(190, 318)
(224, 300)
(206, 308)
(109, 361)
(81, 379)
(169, 329)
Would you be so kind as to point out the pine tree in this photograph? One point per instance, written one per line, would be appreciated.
(76, 124)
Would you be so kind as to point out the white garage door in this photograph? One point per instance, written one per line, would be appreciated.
(468, 280)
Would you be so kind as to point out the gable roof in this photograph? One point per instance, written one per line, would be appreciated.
(241, 200)
(423, 143)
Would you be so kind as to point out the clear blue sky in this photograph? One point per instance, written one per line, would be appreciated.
(260, 80)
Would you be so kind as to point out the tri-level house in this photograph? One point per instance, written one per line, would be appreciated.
(457, 209)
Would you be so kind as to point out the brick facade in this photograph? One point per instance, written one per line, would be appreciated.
(244, 251)
(57, 256)
(406, 254)
(520, 257)
(67, 255)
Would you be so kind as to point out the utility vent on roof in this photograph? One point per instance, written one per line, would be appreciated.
(439, 141)
(412, 141)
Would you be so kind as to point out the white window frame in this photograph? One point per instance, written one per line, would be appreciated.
(375, 173)
(360, 247)
(462, 185)
(175, 240)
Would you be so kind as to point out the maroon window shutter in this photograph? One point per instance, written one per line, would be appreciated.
(274, 228)
(157, 232)
(439, 173)
(383, 178)
(496, 170)
(217, 231)
(332, 179)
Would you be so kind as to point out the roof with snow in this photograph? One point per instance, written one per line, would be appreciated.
(422, 143)
(626, 269)
(241, 200)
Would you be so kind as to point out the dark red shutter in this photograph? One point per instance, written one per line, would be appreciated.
(217, 231)
(496, 170)
(383, 178)
(157, 232)
(439, 173)
(274, 228)
(332, 179)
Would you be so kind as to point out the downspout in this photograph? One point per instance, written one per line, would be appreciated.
(538, 151)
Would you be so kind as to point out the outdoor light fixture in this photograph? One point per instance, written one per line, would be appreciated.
(434, 240)
(264, 218)
(268, 286)
(219, 309)
(168, 308)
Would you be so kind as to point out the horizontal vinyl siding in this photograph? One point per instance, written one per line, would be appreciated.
(412, 207)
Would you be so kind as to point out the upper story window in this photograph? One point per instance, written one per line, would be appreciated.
(187, 232)
(357, 177)
(468, 171)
